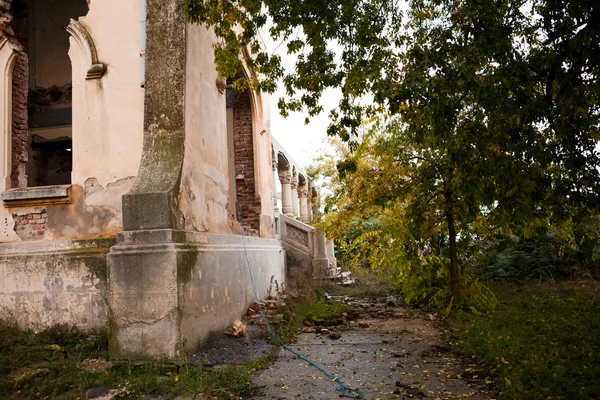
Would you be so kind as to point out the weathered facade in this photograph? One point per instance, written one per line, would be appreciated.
(123, 160)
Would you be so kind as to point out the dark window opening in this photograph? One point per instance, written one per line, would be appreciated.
(52, 161)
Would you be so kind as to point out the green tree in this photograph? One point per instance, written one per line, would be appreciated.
(492, 104)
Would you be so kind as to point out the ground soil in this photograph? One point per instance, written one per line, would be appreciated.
(390, 352)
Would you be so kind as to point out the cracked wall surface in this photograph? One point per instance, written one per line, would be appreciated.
(205, 181)
(45, 283)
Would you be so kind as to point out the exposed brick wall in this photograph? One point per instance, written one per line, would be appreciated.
(243, 145)
(31, 225)
(14, 26)
(19, 139)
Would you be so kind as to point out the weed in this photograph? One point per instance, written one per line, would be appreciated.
(62, 360)
(307, 307)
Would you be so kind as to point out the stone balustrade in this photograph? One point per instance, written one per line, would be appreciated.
(308, 253)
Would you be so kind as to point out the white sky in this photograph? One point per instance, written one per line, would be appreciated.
(303, 142)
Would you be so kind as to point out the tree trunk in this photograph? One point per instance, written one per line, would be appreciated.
(454, 275)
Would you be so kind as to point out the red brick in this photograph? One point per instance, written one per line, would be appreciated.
(243, 152)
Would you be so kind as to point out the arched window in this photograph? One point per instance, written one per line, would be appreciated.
(42, 92)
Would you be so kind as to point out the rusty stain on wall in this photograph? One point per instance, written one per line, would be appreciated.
(93, 212)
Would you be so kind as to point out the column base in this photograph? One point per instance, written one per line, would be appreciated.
(320, 268)
(168, 289)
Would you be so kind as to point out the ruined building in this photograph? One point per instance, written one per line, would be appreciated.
(122, 158)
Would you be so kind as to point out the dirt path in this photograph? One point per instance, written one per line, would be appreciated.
(389, 353)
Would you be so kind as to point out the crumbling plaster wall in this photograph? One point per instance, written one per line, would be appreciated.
(205, 176)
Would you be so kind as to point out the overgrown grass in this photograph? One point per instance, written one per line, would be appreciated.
(543, 340)
(62, 362)
(361, 288)
(309, 304)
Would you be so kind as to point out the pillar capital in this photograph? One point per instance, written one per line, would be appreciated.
(285, 177)
(302, 191)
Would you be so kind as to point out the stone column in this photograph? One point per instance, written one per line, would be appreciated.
(331, 253)
(144, 265)
(309, 201)
(275, 178)
(286, 193)
(303, 193)
(320, 262)
(295, 205)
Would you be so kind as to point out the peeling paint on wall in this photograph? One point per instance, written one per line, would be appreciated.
(94, 211)
(95, 215)
(31, 224)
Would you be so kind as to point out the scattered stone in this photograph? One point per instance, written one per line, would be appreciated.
(103, 393)
(363, 324)
(237, 329)
(254, 308)
(334, 335)
(402, 353)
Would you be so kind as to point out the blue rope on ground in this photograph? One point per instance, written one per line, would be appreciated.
(345, 391)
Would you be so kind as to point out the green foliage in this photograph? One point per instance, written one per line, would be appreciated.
(482, 121)
(321, 310)
(563, 251)
(308, 306)
(544, 341)
(428, 283)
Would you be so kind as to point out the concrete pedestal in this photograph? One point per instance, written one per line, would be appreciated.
(169, 289)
